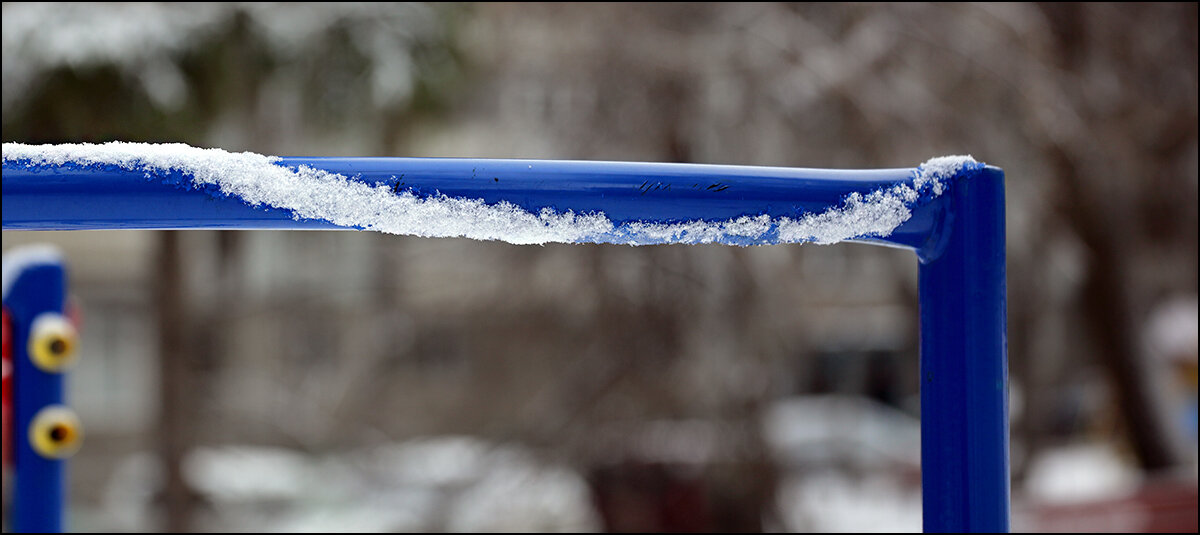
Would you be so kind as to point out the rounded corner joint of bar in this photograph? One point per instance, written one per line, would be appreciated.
(943, 210)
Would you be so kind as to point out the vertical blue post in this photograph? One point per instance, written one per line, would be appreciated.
(37, 289)
(964, 363)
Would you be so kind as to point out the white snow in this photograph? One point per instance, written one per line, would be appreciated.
(826, 501)
(18, 259)
(1171, 333)
(822, 430)
(317, 194)
(1079, 473)
(848, 464)
(936, 171)
(470, 486)
(139, 38)
(143, 40)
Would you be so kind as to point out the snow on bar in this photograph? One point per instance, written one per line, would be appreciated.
(310, 193)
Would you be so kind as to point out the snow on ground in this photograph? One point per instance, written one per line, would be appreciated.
(821, 430)
(850, 464)
(847, 465)
(833, 502)
(1080, 473)
(316, 194)
(430, 484)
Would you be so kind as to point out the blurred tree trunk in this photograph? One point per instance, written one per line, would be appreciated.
(1108, 311)
(175, 390)
(1099, 218)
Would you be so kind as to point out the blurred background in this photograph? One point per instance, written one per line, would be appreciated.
(336, 381)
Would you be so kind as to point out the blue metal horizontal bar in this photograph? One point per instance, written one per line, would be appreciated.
(73, 197)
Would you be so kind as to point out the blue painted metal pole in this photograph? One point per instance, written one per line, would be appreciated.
(45, 430)
(958, 237)
(964, 363)
(71, 197)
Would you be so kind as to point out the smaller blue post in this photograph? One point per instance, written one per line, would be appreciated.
(964, 362)
(45, 431)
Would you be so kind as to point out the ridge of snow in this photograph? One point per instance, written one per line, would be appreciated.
(311, 193)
